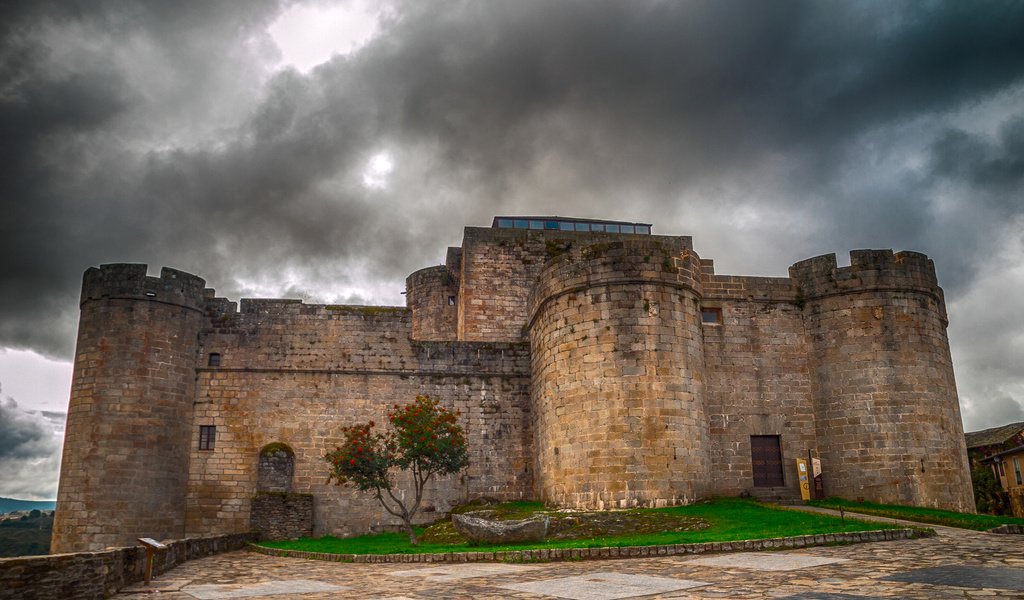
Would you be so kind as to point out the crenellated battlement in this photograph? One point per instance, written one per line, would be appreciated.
(130, 281)
(217, 306)
(869, 270)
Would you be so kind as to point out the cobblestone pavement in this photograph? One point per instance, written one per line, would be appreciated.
(932, 568)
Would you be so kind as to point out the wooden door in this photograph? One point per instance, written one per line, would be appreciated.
(766, 458)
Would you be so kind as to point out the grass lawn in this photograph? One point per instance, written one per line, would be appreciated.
(922, 515)
(727, 519)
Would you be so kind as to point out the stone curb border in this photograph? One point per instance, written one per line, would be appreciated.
(561, 554)
(1011, 529)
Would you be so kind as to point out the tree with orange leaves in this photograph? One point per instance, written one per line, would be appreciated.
(423, 438)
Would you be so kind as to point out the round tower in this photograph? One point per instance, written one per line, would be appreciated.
(618, 376)
(431, 296)
(126, 446)
(886, 410)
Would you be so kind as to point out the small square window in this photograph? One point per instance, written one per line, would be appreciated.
(711, 316)
(214, 360)
(207, 436)
(451, 300)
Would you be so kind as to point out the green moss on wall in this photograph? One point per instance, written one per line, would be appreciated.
(277, 447)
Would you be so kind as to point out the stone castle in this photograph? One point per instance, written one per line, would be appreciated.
(594, 364)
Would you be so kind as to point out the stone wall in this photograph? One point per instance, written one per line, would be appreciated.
(125, 462)
(500, 268)
(95, 575)
(887, 416)
(275, 469)
(282, 516)
(758, 382)
(618, 377)
(296, 373)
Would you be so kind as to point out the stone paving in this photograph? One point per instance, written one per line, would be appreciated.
(955, 564)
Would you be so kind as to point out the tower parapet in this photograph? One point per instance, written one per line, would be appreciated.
(887, 415)
(618, 383)
(126, 446)
(870, 270)
(129, 281)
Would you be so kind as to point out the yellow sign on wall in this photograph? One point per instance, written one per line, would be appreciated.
(805, 480)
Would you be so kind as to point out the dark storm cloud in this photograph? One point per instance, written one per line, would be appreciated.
(24, 434)
(995, 166)
(29, 451)
(71, 110)
(149, 132)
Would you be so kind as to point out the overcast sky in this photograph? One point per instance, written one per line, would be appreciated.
(324, 150)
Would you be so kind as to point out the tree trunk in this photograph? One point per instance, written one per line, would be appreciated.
(412, 533)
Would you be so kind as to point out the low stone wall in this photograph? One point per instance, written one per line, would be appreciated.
(1018, 529)
(89, 575)
(559, 554)
(282, 516)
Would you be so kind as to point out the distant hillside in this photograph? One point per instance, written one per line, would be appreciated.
(10, 504)
(26, 536)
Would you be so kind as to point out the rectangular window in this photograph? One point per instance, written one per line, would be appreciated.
(611, 228)
(504, 223)
(207, 436)
(214, 359)
(522, 224)
(711, 316)
(1016, 471)
(551, 225)
(536, 224)
(451, 300)
(1002, 469)
(643, 229)
(596, 227)
(564, 226)
(626, 229)
(582, 227)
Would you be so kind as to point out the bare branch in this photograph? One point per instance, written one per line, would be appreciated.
(388, 508)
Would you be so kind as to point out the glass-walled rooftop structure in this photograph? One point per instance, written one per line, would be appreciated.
(570, 224)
